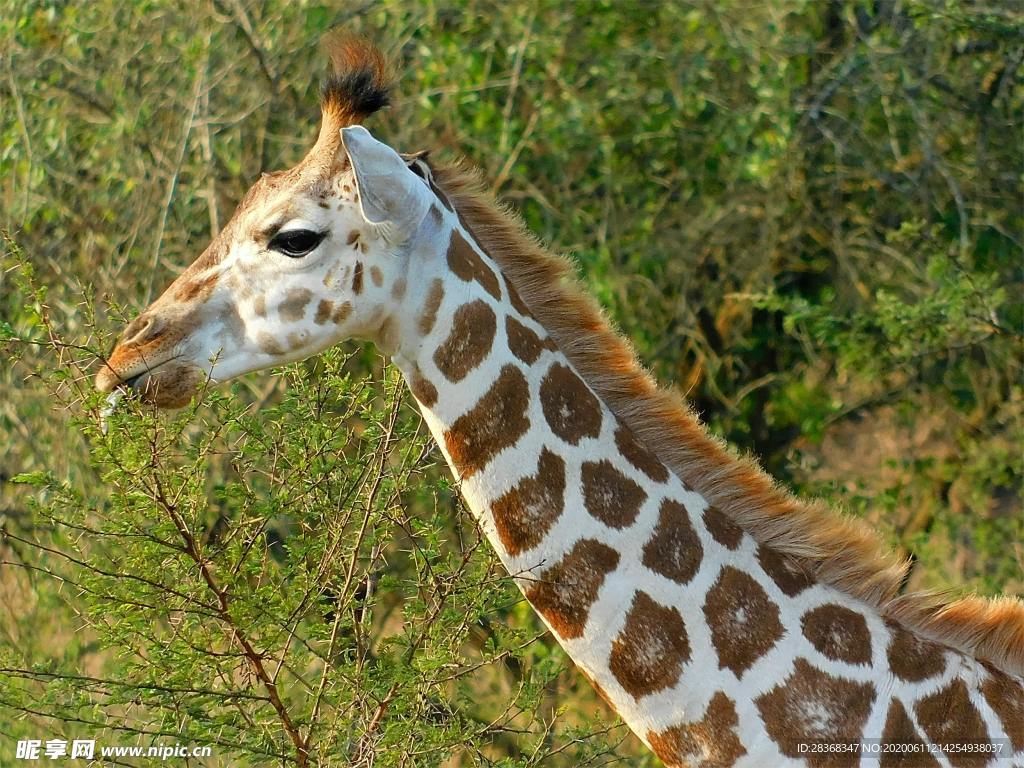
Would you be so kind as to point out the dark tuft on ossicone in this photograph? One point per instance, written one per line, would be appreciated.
(357, 94)
(358, 86)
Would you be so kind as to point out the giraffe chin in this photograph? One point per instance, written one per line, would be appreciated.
(170, 386)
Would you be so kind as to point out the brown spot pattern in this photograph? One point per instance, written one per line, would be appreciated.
(232, 321)
(567, 590)
(1006, 697)
(813, 707)
(517, 300)
(571, 409)
(948, 716)
(387, 334)
(468, 342)
(784, 570)
(674, 550)
(899, 731)
(428, 316)
(524, 515)
(259, 306)
(524, 343)
(497, 421)
(465, 262)
(293, 306)
(398, 289)
(323, 311)
(638, 455)
(269, 344)
(744, 622)
(913, 658)
(609, 495)
(341, 313)
(649, 653)
(710, 742)
(722, 528)
(422, 389)
(838, 633)
(193, 289)
(357, 278)
(376, 276)
(352, 237)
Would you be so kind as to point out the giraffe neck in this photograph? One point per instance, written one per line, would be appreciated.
(711, 646)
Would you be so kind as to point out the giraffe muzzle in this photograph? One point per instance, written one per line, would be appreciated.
(169, 385)
(112, 376)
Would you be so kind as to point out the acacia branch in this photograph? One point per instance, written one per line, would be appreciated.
(254, 657)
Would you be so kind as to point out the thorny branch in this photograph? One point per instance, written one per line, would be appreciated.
(252, 656)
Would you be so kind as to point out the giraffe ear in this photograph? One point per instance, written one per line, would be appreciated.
(390, 195)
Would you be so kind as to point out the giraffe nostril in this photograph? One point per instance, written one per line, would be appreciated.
(142, 329)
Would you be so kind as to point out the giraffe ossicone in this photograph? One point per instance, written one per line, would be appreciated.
(726, 622)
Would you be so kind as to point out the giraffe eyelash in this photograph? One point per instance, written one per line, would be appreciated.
(296, 243)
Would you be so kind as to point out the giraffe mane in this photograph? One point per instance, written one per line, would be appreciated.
(837, 549)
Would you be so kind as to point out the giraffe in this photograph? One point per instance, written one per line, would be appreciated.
(725, 621)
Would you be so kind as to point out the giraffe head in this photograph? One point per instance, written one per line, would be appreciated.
(312, 256)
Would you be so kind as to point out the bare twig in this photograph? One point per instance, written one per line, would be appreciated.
(197, 91)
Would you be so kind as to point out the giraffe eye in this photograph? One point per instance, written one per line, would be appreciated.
(296, 243)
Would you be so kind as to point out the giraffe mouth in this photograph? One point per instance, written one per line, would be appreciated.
(170, 384)
(130, 382)
(109, 379)
(117, 387)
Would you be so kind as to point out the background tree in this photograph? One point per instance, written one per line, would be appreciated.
(807, 215)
